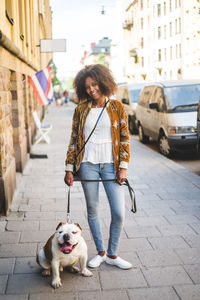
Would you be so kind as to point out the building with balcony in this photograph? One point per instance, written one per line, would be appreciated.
(164, 41)
(23, 23)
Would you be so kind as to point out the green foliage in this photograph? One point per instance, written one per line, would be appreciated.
(101, 59)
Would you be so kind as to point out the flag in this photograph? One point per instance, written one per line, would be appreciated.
(42, 85)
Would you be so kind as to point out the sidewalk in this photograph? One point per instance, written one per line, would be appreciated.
(162, 240)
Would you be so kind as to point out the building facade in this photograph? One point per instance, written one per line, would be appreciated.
(22, 24)
(162, 40)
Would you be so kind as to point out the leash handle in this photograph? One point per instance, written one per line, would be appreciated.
(126, 182)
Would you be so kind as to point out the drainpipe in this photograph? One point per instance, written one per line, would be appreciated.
(12, 48)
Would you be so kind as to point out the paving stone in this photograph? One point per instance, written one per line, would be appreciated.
(54, 296)
(17, 216)
(159, 211)
(14, 297)
(134, 244)
(188, 292)
(3, 282)
(40, 215)
(6, 265)
(170, 230)
(27, 265)
(22, 225)
(155, 258)
(124, 279)
(196, 227)
(18, 250)
(7, 237)
(151, 221)
(103, 295)
(192, 240)
(27, 207)
(194, 272)
(189, 256)
(182, 219)
(166, 276)
(161, 293)
(168, 242)
(35, 236)
(141, 231)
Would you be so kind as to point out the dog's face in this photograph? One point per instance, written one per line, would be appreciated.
(68, 236)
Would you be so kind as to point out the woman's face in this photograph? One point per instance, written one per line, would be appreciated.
(92, 88)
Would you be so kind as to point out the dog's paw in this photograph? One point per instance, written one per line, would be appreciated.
(74, 270)
(56, 283)
(46, 272)
(86, 273)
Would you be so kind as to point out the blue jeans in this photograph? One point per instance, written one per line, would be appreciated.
(115, 194)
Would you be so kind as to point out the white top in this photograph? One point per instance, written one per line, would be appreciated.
(99, 147)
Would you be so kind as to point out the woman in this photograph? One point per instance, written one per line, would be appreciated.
(105, 155)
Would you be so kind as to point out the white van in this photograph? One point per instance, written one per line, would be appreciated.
(167, 112)
(128, 94)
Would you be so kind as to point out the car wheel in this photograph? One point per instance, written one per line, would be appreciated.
(142, 137)
(163, 145)
(131, 125)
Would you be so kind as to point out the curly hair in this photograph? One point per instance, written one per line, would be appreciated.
(101, 74)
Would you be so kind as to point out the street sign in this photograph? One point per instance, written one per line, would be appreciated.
(56, 45)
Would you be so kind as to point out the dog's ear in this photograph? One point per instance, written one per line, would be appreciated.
(60, 224)
(78, 225)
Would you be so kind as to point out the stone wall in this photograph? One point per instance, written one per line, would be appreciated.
(7, 158)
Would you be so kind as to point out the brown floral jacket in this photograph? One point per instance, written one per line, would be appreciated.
(120, 134)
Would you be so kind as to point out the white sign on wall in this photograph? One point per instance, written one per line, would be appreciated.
(56, 45)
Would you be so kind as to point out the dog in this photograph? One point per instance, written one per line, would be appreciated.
(65, 248)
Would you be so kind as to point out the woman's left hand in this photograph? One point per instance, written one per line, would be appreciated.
(121, 175)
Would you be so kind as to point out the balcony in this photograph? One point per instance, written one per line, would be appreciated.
(128, 24)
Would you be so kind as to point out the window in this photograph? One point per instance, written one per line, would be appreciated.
(176, 51)
(158, 10)
(179, 3)
(159, 32)
(158, 96)
(142, 61)
(21, 19)
(142, 42)
(142, 23)
(165, 54)
(141, 4)
(176, 26)
(170, 5)
(165, 31)
(170, 29)
(179, 22)
(176, 3)
(9, 11)
(180, 51)
(165, 10)
(171, 56)
(159, 54)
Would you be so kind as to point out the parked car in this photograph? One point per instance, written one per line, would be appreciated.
(166, 112)
(198, 127)
(129, 95)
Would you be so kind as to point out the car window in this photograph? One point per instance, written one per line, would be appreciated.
(120, 93)
(158, 97)
(146, 96)
(182, 98)
(134, 95)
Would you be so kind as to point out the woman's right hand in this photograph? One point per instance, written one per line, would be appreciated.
(69, 178)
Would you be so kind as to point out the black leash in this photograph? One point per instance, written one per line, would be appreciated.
(126, 182)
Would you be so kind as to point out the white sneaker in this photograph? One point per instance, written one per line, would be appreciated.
(119, 262)
(96, 261)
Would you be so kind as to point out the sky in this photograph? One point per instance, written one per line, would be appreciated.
(80, 22)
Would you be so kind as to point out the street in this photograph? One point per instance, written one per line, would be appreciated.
(162, 240)
(189, 160)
